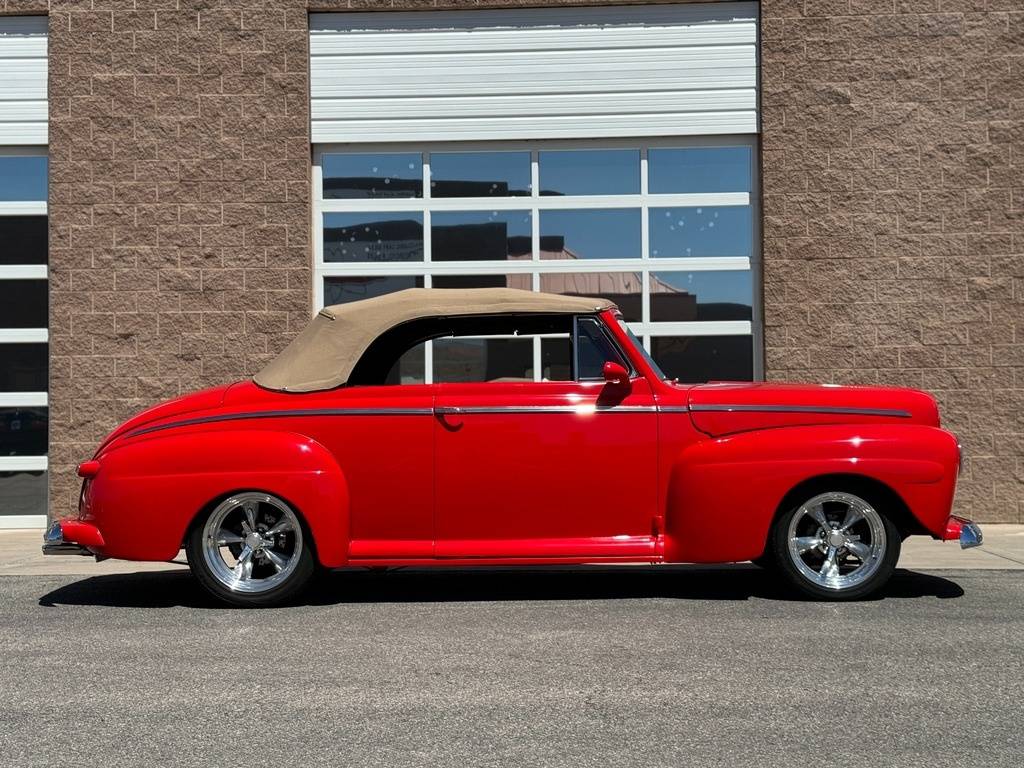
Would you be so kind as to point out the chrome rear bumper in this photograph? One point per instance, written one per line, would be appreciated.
(970, 535)
(54, 544)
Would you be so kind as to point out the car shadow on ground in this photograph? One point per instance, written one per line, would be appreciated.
(427, 585)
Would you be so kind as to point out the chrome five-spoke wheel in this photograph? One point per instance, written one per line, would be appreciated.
(250, 549)
(836, 544)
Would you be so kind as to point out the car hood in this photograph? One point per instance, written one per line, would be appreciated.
(196, 401)
(725, 408)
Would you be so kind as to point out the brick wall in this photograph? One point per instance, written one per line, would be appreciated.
(893, 151)
(179, 205)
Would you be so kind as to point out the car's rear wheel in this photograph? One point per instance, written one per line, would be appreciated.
(835, 545)
(251, 550)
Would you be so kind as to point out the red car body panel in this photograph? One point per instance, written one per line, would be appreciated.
(495, 473)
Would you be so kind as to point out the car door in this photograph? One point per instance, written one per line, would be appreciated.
(547, 469)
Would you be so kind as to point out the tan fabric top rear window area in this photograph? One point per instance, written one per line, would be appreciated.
(323, 355)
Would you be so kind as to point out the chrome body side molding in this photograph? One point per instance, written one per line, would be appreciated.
(839, 410)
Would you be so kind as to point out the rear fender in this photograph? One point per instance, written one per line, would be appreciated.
(147, 492)
(723, 493)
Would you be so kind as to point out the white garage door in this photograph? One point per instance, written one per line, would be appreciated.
(588, 151)
(23, 80)
(666, 70)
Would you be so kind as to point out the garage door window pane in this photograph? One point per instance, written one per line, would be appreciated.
(373, 237)
(523, 282)
(479, 174)
(22, 240)
(23, 368)
(701, 295)
(23, 431)
(480, 236)
(623, 288)
(341, 290)
(699, 169)
(479, 360)
(694, 359)
(590, 172)
(23, 304)
(590, 234)
(23, 493)
(355, 176)
(701, 231)
(22, 178)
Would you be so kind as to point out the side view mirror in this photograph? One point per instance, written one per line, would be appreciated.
(615, 374)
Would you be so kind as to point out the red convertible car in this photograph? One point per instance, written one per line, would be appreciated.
(326, 458)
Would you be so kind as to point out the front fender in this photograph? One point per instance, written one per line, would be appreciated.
(147, 491)
(723, 493)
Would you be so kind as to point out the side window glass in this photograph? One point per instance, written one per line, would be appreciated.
(593, 349)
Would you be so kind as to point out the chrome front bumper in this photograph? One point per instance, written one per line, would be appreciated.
(970, 535)
(54, 544)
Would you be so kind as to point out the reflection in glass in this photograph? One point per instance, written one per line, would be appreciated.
(341, 290)
(694, 359)
(595, 349)
(479, 174)
(409, 368)
(623, 288)
(361, 176)
(523, 282)
(556, 359)
(23, 431)
(23, 368)
(23, 304)
(699, 169)
(701, 295)
(23, 178)
(23, 493)
(480, 235)
(23, 240)
(478, 360)
(701, 231)
(590, 172)
(373, 237)
(610, 233)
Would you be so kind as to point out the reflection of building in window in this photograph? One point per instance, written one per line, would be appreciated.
(361, 187)
(390, 240)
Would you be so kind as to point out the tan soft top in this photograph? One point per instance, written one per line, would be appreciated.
(323, 355)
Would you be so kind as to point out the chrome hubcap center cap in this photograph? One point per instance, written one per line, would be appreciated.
(836, 539)
(254, 541)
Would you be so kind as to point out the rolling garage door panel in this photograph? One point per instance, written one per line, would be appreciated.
(23, 85)
(553, 73)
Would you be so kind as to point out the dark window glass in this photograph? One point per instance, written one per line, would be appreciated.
(23, 304)
(701, 231)
(409, 368)
(610, 233)
(523, 282)
(23, 431)
(595, 349)
(480, 236)
(373, 237)
(556, 359)
(372, 176)
(623, 288)
(478, 360)
(23, 368)
(693, 359)
(699, 169)
(22, 178)
(590, 172)
(341, 290)
(701, 295)
(23, 493)
(23, 240)
(479, 174)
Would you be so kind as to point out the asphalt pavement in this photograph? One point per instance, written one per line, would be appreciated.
(652, 666)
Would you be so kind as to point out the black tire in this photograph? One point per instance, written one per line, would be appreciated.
(875, 570)
(213, 579)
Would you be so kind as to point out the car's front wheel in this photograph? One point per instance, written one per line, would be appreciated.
(250, 550)
(835, 545)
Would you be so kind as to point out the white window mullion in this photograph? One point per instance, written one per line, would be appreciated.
(24, 399)
(23, 463)
(23, 272)
(24, 335)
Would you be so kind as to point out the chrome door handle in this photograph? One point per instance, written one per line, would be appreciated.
(446, 410)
